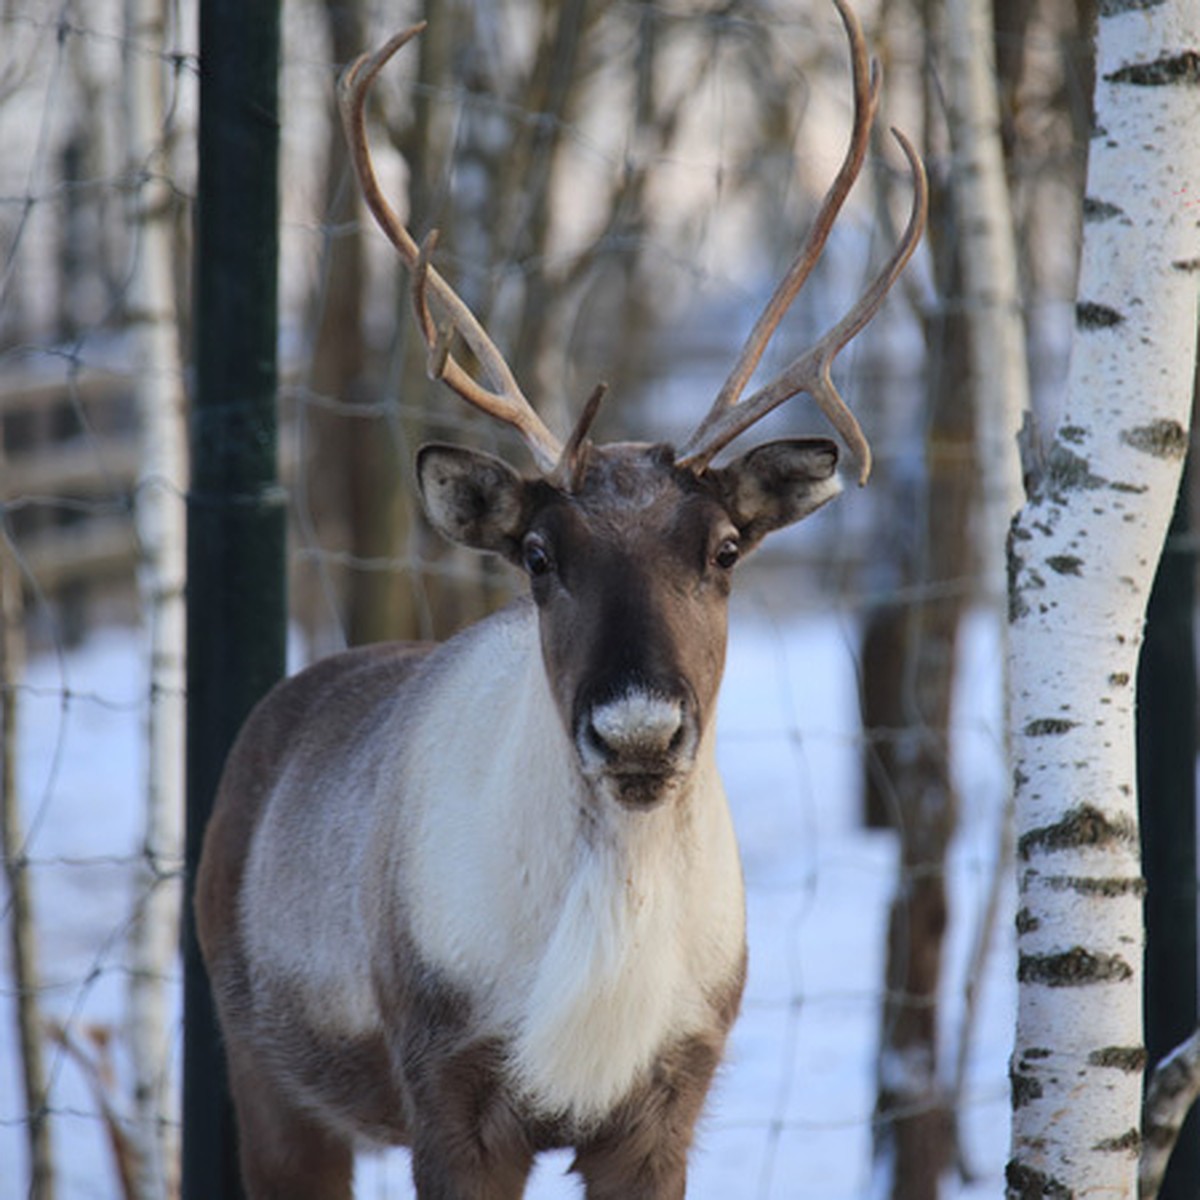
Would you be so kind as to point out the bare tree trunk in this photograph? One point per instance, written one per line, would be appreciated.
(22, 931)
(159, 509)
(914, 1129)
(998, 360)
(1082, 558)
(992, 299)
(357, 471)
(527, 177)
(459, 191)
(907, 770)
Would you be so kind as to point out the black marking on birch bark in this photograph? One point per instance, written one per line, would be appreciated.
(1119, 679)
(1076, 967)
(1129, 1142)
(1162, 439)
(1082, 826)
(1129, 1059)
(1065, 564)
(1026, 1183)
(1089, 315)
(1162, 72)
(1075, 434)
(1048, 727)
(1017, 608)
(1023, 1089)
(1100, 210)
(1026, 922)
(1186, 264)
(1086, 885)
(1067, 471)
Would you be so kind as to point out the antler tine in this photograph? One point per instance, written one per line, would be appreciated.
(810, 372)
(569, 471)
(727, 418)
(504, 400)
(437, 341)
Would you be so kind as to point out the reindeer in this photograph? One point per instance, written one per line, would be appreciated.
(483, 898)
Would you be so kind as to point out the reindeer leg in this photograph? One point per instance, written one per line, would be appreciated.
(285, 1153)
(460, 1172)
(641, 1152)
(467, 1142)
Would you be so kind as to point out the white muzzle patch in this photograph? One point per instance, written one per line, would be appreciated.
(637, 724)
(638, 744)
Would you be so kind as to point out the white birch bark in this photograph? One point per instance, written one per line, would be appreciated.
(1082, 558)
(162, 485)
(998, 356)
(991, 289)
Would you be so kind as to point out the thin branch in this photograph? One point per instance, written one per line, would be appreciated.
(1172, 1090)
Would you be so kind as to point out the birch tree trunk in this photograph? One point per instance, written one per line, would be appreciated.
(1083, 551)
(991, 290)
(159, 505)
(999, 364)
(19, 917)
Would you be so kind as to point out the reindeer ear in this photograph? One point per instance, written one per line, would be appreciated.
(776, 484)
(473, 498)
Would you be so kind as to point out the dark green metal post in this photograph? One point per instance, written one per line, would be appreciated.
(236, 536)
(1166, 745)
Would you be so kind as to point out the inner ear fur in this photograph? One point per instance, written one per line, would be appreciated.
(777, 484)
(474, 499)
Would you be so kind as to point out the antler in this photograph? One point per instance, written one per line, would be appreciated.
(504, 399)
(810, 372)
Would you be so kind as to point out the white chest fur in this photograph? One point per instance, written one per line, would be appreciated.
(643, 932)
(587, 935)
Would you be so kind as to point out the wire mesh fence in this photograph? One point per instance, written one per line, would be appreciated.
(618, 187)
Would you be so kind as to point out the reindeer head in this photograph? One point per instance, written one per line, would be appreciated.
(630, 548)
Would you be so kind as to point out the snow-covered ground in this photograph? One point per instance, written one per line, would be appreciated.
(790, 1118)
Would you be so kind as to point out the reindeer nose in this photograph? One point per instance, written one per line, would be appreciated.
(638, 744)
(637, 725)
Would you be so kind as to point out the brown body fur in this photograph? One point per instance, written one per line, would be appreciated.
(303, 1099)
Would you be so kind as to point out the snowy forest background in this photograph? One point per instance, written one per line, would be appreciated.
(617, 186)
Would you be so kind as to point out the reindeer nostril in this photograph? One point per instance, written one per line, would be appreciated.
(594, 739)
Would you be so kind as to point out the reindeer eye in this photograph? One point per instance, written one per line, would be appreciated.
(535, 555)
(728, 553)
